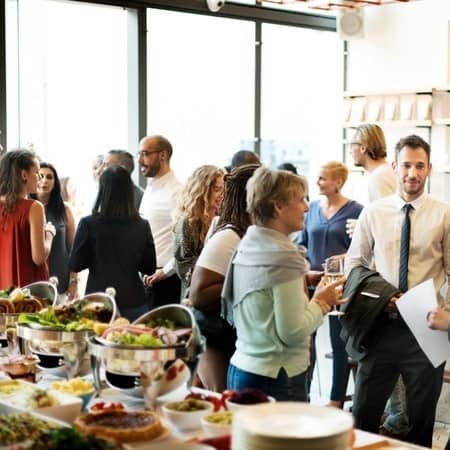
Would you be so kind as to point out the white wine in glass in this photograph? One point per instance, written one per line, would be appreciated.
(334, 271)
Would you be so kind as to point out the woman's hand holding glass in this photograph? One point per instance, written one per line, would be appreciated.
(328, 295)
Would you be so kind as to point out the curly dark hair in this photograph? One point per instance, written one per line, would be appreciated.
(234, 207)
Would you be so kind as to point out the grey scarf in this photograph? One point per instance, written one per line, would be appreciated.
(264, 258)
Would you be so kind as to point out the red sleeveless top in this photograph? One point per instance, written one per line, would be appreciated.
(16, 264)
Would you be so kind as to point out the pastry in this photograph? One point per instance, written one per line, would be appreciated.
(6, 306)
(121, 426)
(30, 305)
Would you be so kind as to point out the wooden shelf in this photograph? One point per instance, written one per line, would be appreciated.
(441, 121)
(393, 123)
(351, 94)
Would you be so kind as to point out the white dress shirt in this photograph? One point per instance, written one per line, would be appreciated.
(377, 235)
(382, 182)
(158, 207)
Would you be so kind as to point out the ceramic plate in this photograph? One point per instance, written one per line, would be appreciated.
(292, 420)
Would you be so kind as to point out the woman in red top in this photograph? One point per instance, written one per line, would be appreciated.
(25, 239)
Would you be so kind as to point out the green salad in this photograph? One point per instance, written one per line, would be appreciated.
(64, 319)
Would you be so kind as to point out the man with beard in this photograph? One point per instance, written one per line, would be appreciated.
(368, 149)
(158, 206)
(407, 236)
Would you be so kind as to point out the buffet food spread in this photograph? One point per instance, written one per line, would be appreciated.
(146, 364)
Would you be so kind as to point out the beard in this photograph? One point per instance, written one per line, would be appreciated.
(153, 170)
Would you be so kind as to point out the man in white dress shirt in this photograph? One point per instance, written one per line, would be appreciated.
(392, 349)
(158, 206)
(368, 148)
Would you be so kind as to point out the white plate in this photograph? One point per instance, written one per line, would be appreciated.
(68, 408)
(292, 420)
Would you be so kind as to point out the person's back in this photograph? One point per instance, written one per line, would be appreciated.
(17, 267)
(381, 182)
(115, 244)
(114, 252)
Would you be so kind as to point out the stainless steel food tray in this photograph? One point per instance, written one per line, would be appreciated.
(33, 333)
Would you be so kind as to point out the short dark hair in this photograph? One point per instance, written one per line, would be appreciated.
(163, 144)
(413, 141)
(289, 167)
(244, 157)
(125, 159)
(115, 198)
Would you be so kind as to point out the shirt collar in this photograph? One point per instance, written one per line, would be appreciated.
(417, 203)
(161, 181)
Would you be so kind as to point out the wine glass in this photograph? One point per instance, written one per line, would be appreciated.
(333, 271)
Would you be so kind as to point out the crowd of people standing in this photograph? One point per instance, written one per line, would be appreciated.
(246, 250)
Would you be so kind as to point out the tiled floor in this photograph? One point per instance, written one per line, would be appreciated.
(321, 385)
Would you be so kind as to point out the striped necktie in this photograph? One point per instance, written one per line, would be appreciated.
(404, 249)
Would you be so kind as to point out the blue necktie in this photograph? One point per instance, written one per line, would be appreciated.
(404, 249)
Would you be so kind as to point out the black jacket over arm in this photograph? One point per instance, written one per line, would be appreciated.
(368, 295)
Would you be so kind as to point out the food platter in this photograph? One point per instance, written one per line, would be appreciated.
(60, 334)
(147, 366)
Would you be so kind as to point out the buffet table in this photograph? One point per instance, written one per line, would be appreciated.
(363, 440)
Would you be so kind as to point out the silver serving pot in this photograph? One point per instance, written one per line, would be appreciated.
(149, 372)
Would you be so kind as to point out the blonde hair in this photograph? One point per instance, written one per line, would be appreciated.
(268, 187)
(337, 169)
(372, 137)
(193, 204)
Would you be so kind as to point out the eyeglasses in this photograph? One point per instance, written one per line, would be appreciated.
(147, 152)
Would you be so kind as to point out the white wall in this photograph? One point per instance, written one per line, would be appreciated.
(406, 47)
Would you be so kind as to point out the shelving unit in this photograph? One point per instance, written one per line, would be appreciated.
(400, 113)
(407, 108)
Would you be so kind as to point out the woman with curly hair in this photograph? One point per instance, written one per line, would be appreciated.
(209, 275)
(199, 203)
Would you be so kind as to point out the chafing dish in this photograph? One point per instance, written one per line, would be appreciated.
(43, 290)
(146, 371)
(56, 347)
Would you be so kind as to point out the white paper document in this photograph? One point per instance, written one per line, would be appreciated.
(414, 306)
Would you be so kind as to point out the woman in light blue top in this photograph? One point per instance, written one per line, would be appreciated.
(264, 291)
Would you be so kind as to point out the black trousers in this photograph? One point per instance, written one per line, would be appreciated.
(393, 350)
(165, 292)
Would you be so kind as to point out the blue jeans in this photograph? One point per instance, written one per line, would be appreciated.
(397, 420)
(281, 388)
(341, 367)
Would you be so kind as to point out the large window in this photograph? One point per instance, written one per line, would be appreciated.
(302, 79)
(67, 83)
(200, 86)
